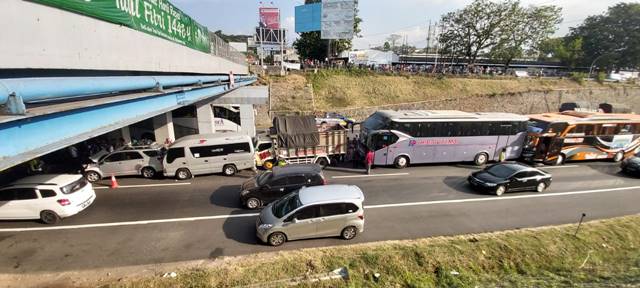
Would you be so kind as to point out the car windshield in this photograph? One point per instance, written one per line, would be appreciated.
(502, 171)
(264, 178)
(286, 204)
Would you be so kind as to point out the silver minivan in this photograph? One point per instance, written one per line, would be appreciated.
(209, 153)
(128, 161)
(313, 212)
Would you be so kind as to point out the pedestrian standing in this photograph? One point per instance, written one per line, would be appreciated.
(369, 160)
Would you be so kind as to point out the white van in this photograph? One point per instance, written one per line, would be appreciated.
(209, 153)
(46, 197)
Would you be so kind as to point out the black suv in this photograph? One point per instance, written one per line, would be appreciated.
(272, 185)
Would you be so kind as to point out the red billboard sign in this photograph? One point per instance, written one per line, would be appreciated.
(270, 18)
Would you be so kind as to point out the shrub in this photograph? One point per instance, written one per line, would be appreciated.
(578, 77)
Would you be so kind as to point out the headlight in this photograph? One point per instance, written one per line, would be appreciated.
(265, 226)
(244, 192)
(491, 184)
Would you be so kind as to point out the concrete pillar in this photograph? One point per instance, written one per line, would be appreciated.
(126, 135)
(163, 128)
(248, 119)
(206, 123)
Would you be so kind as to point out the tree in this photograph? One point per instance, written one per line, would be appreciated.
(613, 38)
(474, 29)
(567, 50)
(386, 46)
(310, 45)
(524, 29)
(393, 39)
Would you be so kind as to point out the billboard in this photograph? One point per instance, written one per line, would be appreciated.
(308, 17)
(270, 18)
(338, 18)
(158, 18)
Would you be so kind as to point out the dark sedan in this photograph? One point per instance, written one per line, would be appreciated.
(508, 177)
(631, 165)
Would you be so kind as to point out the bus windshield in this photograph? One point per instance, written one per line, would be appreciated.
(537, 126)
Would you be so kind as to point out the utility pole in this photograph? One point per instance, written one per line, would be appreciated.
(435, 31)
(426, 50)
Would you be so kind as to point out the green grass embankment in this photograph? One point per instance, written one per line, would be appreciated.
(604, 254)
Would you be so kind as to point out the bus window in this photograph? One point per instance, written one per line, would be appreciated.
(383, 140)
(537, 126)
(627, 129)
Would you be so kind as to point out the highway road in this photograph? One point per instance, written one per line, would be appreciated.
(161, 221)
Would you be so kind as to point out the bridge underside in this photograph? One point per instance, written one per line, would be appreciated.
(51, 127)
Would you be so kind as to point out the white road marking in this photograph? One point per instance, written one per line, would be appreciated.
(496, 198)
(144, 185)
(189, 219)
(558, 167)
(370, 175)
(129, 223)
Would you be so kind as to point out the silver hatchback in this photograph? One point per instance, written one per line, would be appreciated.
(130, 161)
(313, 212)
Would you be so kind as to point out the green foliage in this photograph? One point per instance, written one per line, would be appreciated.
(578, 77)
(504, 28)
(524, 29)
(612, 38)
(601, 77)
(567, 50)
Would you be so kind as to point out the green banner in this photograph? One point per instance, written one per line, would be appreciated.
(156, 17)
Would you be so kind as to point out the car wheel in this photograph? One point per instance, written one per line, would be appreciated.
(92, 176)
(618, 157)
(183, 174)
(500, 190)
(49, 217)
(481, 159)
(253, 203)
(322, 162)
(148, 172)
(277, 239)
(349, 233)
(401, 162)
(229, 170)
(541, 186)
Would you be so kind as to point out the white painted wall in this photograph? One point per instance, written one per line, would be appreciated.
(38, 36)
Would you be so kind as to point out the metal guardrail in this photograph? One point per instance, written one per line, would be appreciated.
(222, 49)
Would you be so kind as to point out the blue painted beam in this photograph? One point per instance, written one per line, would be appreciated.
(14, 93)
(28, 138)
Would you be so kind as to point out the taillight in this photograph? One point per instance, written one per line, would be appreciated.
(324, 181)
(64, 202)
(361, 216)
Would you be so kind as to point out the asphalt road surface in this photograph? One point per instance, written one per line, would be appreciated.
(160, 221)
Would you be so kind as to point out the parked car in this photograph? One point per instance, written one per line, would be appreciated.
(282, 180)
(508, 177)
(209, 153)
(132, 161)
(47, 197)
(631, 165)
(312, 212)
(333, 119)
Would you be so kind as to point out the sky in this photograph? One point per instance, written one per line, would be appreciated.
(380, 17)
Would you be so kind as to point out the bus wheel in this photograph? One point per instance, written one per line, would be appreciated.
(267, 165)
(481, 159)
(401, 162)
(618, 157)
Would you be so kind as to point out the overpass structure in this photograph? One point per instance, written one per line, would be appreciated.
(66, 77)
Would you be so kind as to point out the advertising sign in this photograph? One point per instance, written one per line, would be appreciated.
(270, 18)
(338, 18)
(308, 17)
(156, 17)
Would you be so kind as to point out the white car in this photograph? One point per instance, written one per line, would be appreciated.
(46, 197)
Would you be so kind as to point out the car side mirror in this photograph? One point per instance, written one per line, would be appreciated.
(295, 220)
